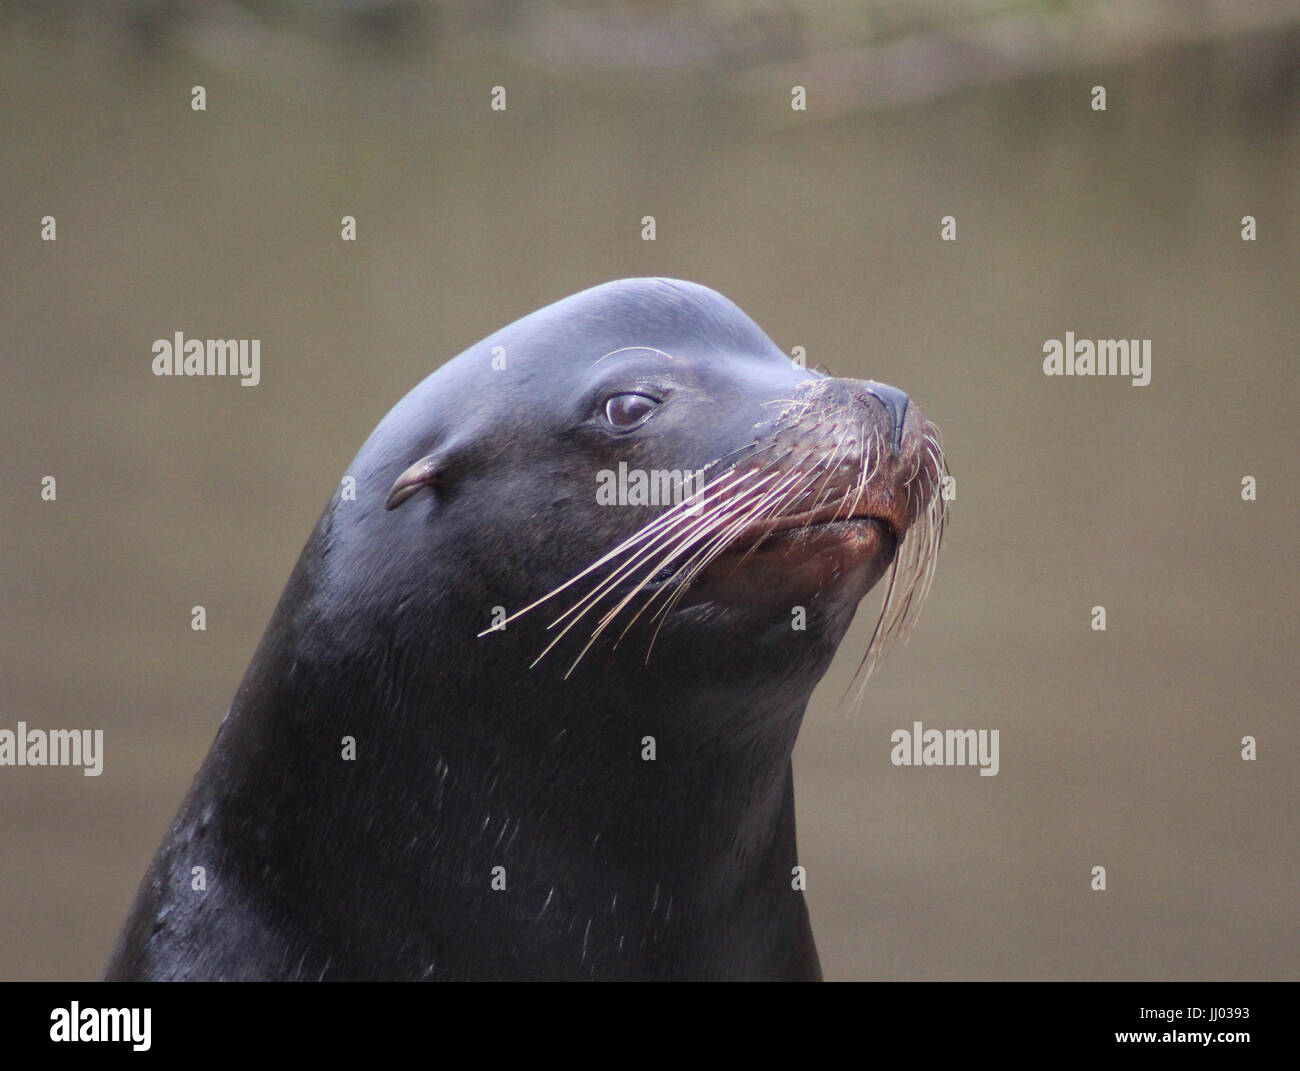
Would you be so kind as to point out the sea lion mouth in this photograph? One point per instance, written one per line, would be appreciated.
(790, 540)
(806, 551)
(780, 559)
(828, 519)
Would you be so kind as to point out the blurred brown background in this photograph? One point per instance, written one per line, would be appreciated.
(1119, 749)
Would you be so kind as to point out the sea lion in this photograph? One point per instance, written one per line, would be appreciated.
(497, 729)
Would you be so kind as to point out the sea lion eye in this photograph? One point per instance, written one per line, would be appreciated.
(624, 411)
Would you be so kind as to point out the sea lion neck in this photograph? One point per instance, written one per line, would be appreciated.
(640, 836)
(347, 655)
(621, 743)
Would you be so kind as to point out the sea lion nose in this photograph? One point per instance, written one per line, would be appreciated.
(895, 403)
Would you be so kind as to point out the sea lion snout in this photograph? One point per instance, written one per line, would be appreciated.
(895, 402)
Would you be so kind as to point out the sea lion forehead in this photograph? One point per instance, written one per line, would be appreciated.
(656, 321)
(638, 319)
(645, 302)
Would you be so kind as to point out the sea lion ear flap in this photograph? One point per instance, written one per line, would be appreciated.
(424, 473)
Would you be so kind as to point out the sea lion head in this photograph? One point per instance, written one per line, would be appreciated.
(639, 474)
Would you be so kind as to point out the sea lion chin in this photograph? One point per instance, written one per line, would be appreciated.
(504, 724)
